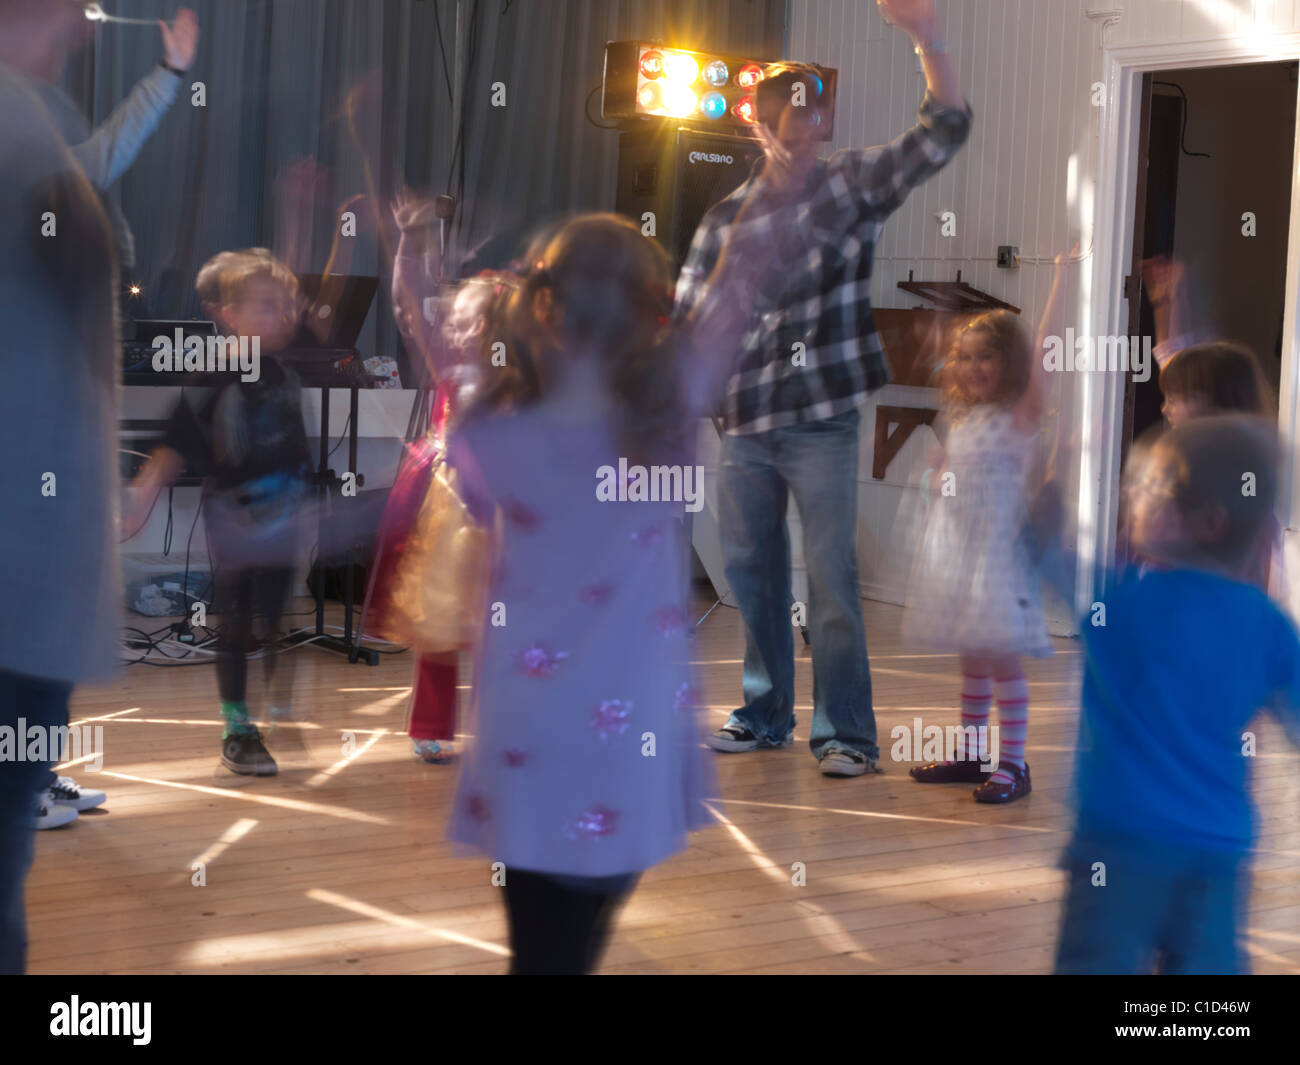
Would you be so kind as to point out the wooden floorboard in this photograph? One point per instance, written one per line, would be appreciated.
(339, 864)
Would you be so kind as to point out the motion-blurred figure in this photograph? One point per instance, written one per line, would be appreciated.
(452, 334)
(586, 767)
(104, 156)
(973, 587)
(58, 439)
(800, 373)
(248, 441)
(1180, 656)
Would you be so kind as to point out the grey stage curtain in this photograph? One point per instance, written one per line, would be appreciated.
(282, 75)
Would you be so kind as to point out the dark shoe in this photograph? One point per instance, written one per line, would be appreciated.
(996, 791)
(245, 754)
(735, 739)
(969, 772)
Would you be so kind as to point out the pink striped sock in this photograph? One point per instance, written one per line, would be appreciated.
(976, 694)
(1013, 723)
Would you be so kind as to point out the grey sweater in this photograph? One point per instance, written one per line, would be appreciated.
(60, 578)
(108, 152)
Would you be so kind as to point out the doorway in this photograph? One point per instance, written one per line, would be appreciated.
(1214, 195)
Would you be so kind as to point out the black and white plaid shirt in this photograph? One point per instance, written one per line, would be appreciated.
(821, 297)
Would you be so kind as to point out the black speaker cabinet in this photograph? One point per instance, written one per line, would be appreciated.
(678, 173)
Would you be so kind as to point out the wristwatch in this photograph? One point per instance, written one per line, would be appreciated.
(936, 47)
(171, 69)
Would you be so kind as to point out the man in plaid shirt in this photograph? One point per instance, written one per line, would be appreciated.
(807, 360)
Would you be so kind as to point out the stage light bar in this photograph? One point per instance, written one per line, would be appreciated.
(652, 80)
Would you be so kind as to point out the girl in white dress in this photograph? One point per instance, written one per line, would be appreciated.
(973, 588)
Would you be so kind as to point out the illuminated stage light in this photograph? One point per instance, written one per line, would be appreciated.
(716, 73)
(135, 290)
(714, 105)
(647, 81)
(681, 68)
(652, 65)
(679, 101)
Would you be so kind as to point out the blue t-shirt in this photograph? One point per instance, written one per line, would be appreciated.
(1171, 681)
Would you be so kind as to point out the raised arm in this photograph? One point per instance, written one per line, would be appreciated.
(116, 142)
(1166, 281)
(884, 176)
(415, 286)
(1033, 404)
(918, 19)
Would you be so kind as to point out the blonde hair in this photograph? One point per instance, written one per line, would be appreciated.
(224, 277)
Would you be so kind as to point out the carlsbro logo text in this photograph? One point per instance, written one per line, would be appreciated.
(710, 157)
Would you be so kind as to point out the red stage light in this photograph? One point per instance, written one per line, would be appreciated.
(652, 65)
(749, 75)
(744, 110)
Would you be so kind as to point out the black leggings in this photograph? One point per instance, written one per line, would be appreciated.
(242, 594)
(558, 928)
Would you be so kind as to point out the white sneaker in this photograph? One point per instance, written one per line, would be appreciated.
(67, 792)
(49, 814)
(842, 762)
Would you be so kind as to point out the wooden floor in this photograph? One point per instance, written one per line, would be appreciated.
(338, 865)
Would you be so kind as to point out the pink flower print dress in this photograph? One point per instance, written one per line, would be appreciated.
(584, 761)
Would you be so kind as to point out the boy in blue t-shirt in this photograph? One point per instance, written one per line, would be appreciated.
(1178, 660)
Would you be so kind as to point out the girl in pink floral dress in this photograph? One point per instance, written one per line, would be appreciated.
(587, 765)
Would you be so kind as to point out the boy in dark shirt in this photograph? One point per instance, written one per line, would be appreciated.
(246, 438)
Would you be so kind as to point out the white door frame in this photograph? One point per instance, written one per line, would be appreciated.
(1099, 401)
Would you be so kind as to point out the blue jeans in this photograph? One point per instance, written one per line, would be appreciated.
(1151, 915)
(41, 704)
(818, 463)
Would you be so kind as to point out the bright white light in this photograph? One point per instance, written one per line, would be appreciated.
(95, 13)
(679, 101)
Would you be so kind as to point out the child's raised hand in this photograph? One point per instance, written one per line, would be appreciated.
(411, 210)
(1069, 258)
(1161, 275)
